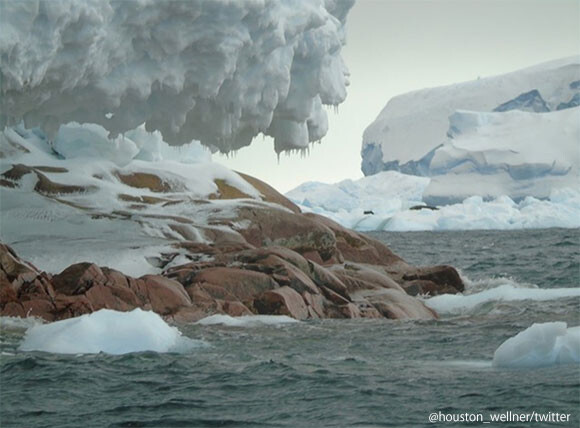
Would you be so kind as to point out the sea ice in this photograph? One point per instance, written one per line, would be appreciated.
(390, 195)
(108, 331)
(541, 345)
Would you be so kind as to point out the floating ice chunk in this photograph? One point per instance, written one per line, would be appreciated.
(541, 345)
(108, 331)
(247, 321)
(454, 303)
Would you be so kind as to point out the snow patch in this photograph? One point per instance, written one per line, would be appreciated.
(108, 331)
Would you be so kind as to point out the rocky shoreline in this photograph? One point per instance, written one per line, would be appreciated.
(232, 244)
(301, 265)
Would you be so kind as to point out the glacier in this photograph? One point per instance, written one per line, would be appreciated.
(412, 125)
(219, 72)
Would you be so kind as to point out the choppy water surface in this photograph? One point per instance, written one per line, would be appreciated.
(341, 373)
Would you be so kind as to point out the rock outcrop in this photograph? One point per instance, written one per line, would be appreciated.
(279, 262)
(250, 250)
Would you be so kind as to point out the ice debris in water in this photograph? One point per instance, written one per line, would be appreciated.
(247, 321)
(541, 345)
(108, 331)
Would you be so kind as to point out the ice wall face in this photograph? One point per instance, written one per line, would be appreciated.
(413, 125)
(216, 71)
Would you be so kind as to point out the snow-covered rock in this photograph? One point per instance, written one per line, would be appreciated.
(412, 125)
(219, 72)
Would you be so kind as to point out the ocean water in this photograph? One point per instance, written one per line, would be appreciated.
(331, 373)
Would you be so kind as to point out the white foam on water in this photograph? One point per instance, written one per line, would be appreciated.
(541, 345)
(108, 331)
(16, 323)
(247, 321)
(459, 303)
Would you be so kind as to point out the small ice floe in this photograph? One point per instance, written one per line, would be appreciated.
(541, 345)
(247, 321)
(108, 331)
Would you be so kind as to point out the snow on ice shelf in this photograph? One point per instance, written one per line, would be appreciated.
(110, 332)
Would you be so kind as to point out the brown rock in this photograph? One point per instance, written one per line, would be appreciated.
(316, 304)
(350, 310)
(77, 279)
(271, 226)
(359, 248)
(13, 267)
(270, 194)
(111, 297)
(446, 278)
(41, 308)
(324, 277)
(334, 297)
(235, 309)
(282, 301)
(395, 304)
(71, 306)
(243, 285)
(165, 295)
(358, 277)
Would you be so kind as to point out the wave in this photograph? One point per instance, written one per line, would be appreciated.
(110, 332)
(247, 321)
(460, 303)
(16, 323)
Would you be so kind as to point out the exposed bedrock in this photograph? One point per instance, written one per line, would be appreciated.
(301, 265)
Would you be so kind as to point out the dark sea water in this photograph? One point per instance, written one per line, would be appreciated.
(332, 373)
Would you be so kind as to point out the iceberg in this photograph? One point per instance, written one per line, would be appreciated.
(216, 72)
(401, 206)
(541, 345)
(110, 332)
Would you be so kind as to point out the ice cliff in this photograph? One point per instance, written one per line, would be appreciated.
(220, 72)
(412, 126)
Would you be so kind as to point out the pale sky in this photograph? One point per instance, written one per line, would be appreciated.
(396, 46)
